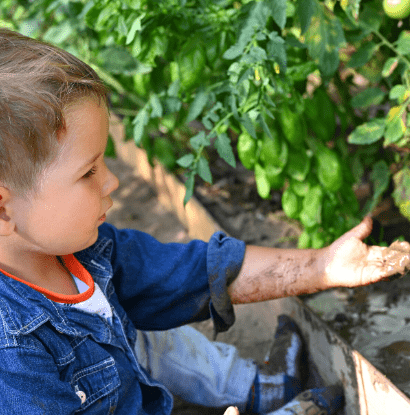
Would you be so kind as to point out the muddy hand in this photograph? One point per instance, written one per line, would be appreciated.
(232, 410)
(349, 262)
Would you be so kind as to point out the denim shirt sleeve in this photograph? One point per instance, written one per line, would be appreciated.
(224, 261)
(162, 286)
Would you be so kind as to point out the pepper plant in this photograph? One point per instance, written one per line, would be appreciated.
(310, 95)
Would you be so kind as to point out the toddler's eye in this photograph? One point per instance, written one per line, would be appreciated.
(90, 172)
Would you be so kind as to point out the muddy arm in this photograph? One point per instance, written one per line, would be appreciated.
(269, 273)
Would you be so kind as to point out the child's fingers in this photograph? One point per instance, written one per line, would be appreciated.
(232, 410)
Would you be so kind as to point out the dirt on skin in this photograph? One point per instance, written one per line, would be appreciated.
(397, 257)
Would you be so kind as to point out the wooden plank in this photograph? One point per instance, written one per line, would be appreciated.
(378, 396)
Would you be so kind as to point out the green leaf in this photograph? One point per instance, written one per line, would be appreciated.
(394, 131)
(118, 60)
(329, 62)
(189, 186)
(104, 16)
(368, 132)
(256, 55)
(199, 140)
(207, 123)
(403, 42)
(389, 66)
(135, 27)
(351, 7)
(233, 52)
(262, 184)
(140, 121)
(247, 123)
(276, 50)
(203, 170)
(186, 161)
(122, 26)
(380, 176)
(324, 38)
(301, 72)
(173, 89)
(278, 11)
(305, 10)
(237, 49)
(357, 168)
(245, 75)
(298, 165)
(224, 148)
(197, 106)
(258, 15)
(300, 188)
(401, 192)
(362, 55)
(156, 106)
(397, 92)
(370, 96)
(234, 107)
(59, 34)
(265, 126)
(311, 214)
(291, 203)
(91, 15)
(371, 17)
(172, 104)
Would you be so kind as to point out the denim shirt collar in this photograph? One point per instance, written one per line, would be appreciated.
(24, 309)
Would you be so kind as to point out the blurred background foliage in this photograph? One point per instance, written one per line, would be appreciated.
(313, 96)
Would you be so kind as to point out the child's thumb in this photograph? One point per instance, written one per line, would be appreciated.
(232, 410)
(362, 230)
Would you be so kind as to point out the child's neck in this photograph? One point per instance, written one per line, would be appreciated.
(46, 271)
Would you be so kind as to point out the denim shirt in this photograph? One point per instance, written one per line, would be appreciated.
(61, 360)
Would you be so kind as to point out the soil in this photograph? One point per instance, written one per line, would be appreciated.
(373, 319)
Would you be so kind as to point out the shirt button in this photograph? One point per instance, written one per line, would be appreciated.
(82, 396)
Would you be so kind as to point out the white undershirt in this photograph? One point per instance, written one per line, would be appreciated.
(96, 304)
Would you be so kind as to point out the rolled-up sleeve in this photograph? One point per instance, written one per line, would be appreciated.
(161, 286)
(224, 260)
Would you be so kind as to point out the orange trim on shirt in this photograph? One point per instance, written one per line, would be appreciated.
(74, 266)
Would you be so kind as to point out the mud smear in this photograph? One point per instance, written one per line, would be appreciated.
(397, 257)
(375, 320)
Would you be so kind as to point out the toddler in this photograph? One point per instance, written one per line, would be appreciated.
(79, 298)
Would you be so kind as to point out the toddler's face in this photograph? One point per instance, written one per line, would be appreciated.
(75, 189)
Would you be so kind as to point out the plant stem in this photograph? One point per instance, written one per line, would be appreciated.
(391, 46)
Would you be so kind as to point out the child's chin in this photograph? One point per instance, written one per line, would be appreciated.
(90, 242)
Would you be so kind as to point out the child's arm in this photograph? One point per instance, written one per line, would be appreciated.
(269, 273)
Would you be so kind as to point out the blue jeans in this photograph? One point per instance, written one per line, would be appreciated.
(196, 369)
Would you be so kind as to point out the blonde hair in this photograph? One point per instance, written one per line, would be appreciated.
(37, 82)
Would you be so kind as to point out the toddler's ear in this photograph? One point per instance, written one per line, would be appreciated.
(6, 224)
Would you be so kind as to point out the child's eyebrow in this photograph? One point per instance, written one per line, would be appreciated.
(92, 160)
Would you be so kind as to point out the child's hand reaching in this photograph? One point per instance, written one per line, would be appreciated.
(349, 262)
(269, 273)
